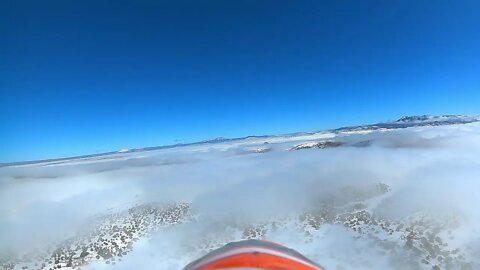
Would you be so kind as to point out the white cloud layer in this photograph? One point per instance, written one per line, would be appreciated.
(431, 171)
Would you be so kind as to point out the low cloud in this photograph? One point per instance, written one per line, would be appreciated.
(434, 171)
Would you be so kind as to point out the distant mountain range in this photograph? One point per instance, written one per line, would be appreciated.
(403, 122)
(416, 121)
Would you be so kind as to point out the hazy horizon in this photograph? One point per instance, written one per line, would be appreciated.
(181, 143)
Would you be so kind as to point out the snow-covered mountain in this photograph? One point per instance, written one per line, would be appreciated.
(446, 119)
(416, 121)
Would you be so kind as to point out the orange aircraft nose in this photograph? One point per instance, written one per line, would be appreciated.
(256, 254)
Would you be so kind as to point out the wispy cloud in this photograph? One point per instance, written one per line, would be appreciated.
(432, 171)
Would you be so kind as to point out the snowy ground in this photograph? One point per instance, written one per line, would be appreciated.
(366, 199)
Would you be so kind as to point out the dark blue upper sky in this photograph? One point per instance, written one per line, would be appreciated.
(80, 77)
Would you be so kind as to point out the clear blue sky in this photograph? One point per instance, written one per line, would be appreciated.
(82, 77)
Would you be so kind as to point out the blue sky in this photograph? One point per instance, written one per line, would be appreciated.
(82, 77)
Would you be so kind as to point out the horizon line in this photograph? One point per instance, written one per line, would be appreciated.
(214, 140)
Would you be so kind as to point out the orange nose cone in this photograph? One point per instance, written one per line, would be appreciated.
(253, 254)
